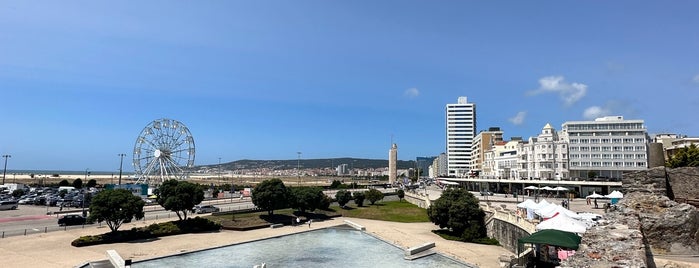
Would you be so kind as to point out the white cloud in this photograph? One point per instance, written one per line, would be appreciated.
(695, 79)
(518, 119)
(570, 93)
(596, 112)
(411, 92)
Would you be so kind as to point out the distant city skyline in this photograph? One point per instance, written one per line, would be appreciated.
(265, 80)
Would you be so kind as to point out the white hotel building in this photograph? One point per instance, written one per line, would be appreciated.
(460, 132)
(606, 147)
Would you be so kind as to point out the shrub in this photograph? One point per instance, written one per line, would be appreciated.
(191, 225)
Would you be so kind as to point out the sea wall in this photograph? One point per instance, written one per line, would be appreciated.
(506, 226)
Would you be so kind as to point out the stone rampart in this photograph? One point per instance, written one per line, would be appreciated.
(646, 222)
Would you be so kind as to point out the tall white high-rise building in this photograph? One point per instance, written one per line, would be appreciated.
(460, 132)
(393, 164)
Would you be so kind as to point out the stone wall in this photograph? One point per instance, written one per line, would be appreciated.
(684, 182)
(646, 222)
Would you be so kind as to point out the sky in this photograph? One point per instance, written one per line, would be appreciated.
(79, 80)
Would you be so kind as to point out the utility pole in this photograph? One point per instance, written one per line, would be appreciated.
(4, 170)
(121, 162)
(298, 168)
(219, 168)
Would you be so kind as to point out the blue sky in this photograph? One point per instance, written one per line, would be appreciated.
(265, 79)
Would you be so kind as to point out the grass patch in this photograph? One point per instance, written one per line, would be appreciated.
(448, 235)
(395, 211)
(261, 219)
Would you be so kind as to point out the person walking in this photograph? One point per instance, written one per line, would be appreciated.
(309, 223)
(596, 203)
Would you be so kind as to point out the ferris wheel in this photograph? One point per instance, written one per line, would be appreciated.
(163, 151)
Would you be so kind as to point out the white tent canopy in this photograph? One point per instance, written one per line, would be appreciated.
(561, 188)
(551, 210)
(546, 188)
(595, 196)
(527, 204)
(531, 188)
(615, 194)
(562, 222)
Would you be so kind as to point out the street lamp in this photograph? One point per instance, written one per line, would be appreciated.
(6, 156)
(83, 202)
(121, 162)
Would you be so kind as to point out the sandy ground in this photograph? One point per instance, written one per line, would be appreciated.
(54, 249)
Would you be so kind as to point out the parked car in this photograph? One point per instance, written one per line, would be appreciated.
(484, 193)
(71, 220)
(8, 205)
(205, 209)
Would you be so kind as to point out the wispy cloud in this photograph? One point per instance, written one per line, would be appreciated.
(593, 112)
(612, 107)
(518, 119)
(411, 93)
(570, 93)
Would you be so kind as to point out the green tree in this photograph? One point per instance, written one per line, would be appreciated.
(358, 198)
(91, 183)
(343, 197)
(685, 157)
(270, 195)
(179, 196)
(17, 193)
(214, 193)
(115, 207)
(64, 182)
(400, 194)
(336, 184)
(374, 195)
(78, 183)
(307, 198)
(458, 210)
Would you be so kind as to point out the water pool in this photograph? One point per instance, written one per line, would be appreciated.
(330, 247)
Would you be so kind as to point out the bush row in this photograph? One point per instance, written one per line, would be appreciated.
(191, 225)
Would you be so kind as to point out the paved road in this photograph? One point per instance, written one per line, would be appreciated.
(30, 219)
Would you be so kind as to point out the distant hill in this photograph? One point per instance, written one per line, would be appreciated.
(357, 163)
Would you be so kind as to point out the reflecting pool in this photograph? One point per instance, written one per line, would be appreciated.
(330, 247)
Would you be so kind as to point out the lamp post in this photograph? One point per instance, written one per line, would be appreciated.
(4, 170)
(83, 202)
(121, 162)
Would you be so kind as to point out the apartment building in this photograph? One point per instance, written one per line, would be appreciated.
(544, 157)
(483, 142)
